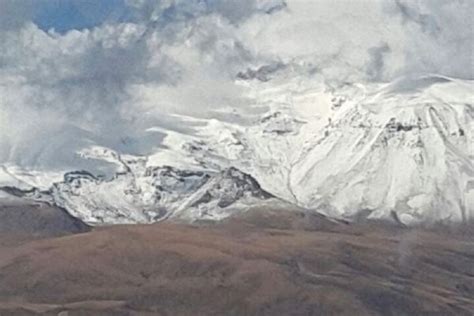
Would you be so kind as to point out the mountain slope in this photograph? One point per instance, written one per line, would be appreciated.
(407, 154)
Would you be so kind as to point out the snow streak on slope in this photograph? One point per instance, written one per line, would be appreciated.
(395, 152)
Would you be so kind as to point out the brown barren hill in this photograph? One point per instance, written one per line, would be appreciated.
(262, 263)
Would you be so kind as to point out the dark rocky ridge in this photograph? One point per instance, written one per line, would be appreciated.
(23, 217)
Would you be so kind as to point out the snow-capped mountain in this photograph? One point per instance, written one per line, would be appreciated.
(148, 194)
(395, 151)
(401, 150)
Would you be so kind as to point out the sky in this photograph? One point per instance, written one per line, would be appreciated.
(76, 72)
(65, 15)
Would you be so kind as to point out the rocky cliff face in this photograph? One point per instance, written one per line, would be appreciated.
(153, 194)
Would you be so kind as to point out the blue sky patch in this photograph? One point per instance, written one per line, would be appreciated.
(65, 15)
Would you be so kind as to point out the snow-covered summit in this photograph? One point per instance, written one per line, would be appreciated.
(403, 148)
(150, 194)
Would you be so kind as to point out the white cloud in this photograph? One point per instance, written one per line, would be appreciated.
(13, 14)
(439, 36)
(111, 83)
(417, 36)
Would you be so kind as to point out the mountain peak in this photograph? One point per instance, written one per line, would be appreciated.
(400, 151)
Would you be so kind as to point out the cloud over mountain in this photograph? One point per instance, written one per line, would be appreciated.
(110, 83)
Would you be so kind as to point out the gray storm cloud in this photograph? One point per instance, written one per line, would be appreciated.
(109, 84)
